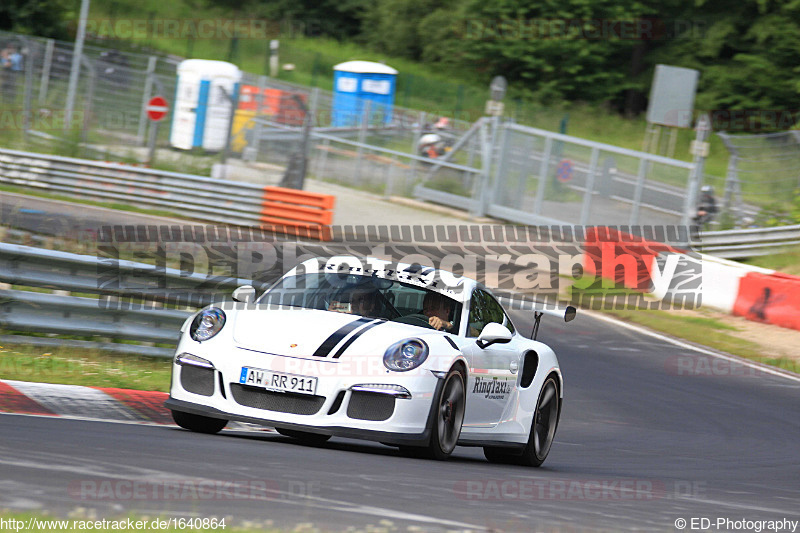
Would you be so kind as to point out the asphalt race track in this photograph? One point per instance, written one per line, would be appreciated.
(650, 432)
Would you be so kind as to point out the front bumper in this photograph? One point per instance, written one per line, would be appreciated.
(386, 437)
(335, 409)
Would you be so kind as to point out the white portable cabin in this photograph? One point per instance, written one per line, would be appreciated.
(202, 109)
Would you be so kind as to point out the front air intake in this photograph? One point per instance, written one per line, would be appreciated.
(281, 402)
(370, 406)
(197, 380)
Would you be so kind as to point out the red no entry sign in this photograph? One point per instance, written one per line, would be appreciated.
(157, 108)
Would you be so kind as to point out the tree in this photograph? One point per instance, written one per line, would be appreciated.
(747, 55)
(396, 26)
(38, 17)
(341, 20)
(559, 50)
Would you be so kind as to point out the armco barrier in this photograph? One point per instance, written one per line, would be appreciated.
(300, 213)
(50, 269)
(750, 242)
(74, 315)
(772, 298)
(109, 316)
(721, 280)
(754, 293)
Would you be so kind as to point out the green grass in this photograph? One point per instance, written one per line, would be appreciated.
(39, 193)
(787, 261)
(704, 331)
(90, 368)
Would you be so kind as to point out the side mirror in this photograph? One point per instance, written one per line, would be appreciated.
(493, 333)
(245, 294)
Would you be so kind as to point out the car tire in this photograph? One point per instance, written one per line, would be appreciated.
(303, 436)
(543, 426)
(540, 438)
(447, 419)
(198, 423)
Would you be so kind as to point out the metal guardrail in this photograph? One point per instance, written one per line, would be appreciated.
(108, 316)
(80, 316)
(36, 267)
(199, 197)
(751, 242)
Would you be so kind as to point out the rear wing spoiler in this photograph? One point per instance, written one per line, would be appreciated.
(567, 314)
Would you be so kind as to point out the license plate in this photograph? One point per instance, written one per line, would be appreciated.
(278, 381)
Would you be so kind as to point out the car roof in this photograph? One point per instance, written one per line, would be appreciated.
(458, 288)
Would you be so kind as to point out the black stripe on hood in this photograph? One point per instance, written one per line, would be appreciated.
(356, 335)
(336, 337)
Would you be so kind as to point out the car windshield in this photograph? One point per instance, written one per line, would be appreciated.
(368, 296)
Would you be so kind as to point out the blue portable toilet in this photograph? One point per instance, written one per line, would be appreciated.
(355, 82)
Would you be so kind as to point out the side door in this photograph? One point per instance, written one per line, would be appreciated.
(492, 384)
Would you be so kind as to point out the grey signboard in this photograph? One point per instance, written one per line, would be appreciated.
(672, 96)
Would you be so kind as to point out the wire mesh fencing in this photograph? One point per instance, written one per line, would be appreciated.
(763, 177)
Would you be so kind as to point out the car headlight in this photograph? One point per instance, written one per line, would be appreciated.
(207, 323)
(405, 355)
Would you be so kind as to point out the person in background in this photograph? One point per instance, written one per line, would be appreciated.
(11, 61)
(706, 207)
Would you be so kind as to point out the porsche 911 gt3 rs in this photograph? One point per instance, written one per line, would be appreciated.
(405, 355)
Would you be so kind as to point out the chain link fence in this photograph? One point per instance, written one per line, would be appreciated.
(489, 167)
(533, 176)
(113, 87)
(763, 175)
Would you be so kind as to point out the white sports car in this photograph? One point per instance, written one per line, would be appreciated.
(406, 355)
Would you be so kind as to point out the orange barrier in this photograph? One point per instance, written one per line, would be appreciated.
(298, 213)
(772, 298)
(624, 258)
(759, 296)
(280, 105)
(248, 97)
